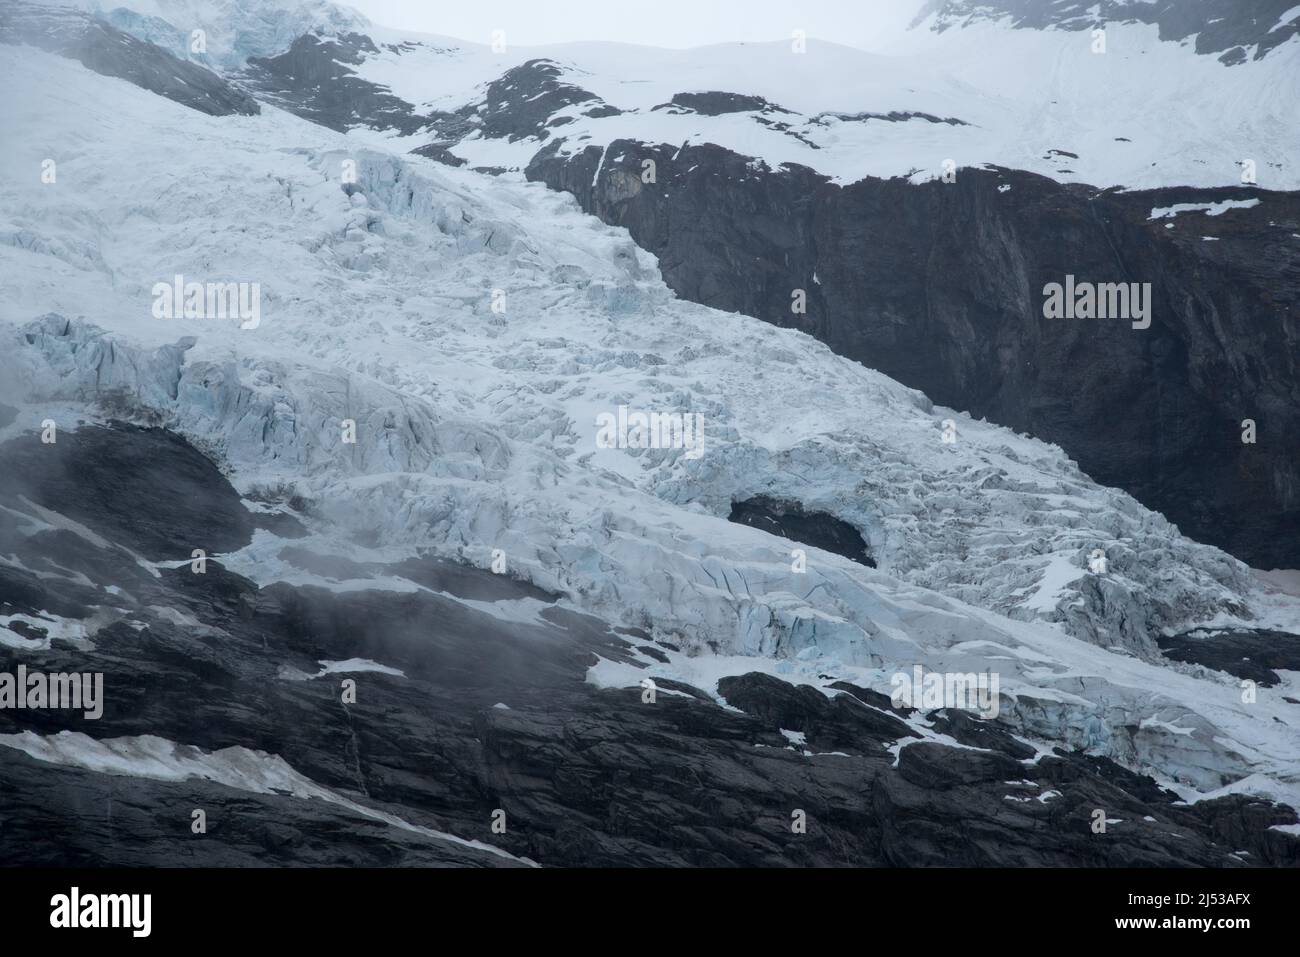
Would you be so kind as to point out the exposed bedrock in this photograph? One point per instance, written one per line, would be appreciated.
(791, 520)
(1250, 653)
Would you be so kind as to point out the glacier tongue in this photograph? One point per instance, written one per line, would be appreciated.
(472, 331)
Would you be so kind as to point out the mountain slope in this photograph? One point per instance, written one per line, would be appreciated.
(758, 158)
(477, 441)
(779, 174)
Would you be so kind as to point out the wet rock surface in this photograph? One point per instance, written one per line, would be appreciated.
(464, 705)
(716, 103)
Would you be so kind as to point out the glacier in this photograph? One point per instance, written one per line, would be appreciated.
(473, 330)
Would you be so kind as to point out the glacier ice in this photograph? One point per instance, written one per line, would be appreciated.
(476, 426)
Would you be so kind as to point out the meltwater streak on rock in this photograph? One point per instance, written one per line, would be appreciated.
(95, 820)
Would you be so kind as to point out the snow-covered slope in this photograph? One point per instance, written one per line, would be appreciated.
(475, 329)
(1181, 95)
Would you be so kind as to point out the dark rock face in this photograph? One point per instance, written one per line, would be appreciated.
(522, 101)
(439, 152)
(478, 713)
(941, 286)
(987, 735)
(714, 103)
(314, 79)
(894, 116)
(790, 520)
(108, 479)
(842, 723)
(111, 52)
(1227, 27)
(936, 767)
(137, 822)
(1245, 652)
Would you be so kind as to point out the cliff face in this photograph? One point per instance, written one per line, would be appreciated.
(941, 286)
(314, 78)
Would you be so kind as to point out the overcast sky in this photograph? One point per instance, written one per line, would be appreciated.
(666, 23)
